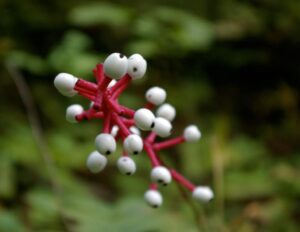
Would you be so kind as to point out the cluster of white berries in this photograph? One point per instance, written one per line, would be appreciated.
(124, 124)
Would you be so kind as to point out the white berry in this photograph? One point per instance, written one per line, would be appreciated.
(203, 193)
(144, 119)
(137, 66)
(161, 175)
(133, 144)
(112, 83)
(115, 66)
(72, 111)
(191, 133)
(114, 130)
(162, 127)
(156, 95)
(166, 111)
(153, 198)
(126, 165)
(96, 162)
(65, 84)
(105, 143)
(134, 130)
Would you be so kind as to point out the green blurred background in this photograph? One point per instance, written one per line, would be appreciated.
(232, 67)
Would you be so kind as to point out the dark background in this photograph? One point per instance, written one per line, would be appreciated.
(231, 67)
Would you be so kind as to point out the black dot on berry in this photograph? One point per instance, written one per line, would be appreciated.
(152, 125)
(134, 69)
(121, 56)
(108, 152)
(136, 152)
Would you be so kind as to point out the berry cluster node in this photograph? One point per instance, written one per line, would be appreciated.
(123, 124)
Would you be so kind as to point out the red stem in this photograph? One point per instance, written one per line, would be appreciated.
(106, 123)
(150, 152)
(127, 111)
(182, 180)
(124, 130)
(149, 106)
(104, 83)
(128, 122)
(125, 81)
(153, 186)
(151, 137)
(98, 115)
(83, 90)
(117, 93)
(87, 95)
(98, 72)
(89, 86)
(114, 106)
(168, 143)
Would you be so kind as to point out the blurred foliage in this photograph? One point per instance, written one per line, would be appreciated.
(232, 67)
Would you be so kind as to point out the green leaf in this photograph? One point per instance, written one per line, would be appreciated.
(9, 222)
(7, 178)
(249, 184)
(19, 145)
(43, 209)
(72, 55)
(27, 61)
(243, 151)
(100, 13)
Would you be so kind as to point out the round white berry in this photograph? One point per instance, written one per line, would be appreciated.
(137, 66)
(96, 162)
(203, 193)
(105, 143)
(65, 84)
(191, 133)
(133, 144)
(156, 95)
(162, 127)
(126, 165)
(111, 84)
(144, 119)
(91, 104)
(166, 111)
(114, 130)
(153, 198)
(161, 175)
(115, 66)
(72, 111)
(134, 130)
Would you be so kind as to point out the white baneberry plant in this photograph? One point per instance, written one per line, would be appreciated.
(121, 123)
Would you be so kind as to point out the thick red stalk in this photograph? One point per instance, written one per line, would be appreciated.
(123, 82)
(122, 127)
(182, 180)
(98, 73)
(106, 123)
(89, 86)
(128, 112)
(168, 143)
(152, 155)
(153, 186)
(104, 83)
(114, 106)
(151, 137)
(149, 106)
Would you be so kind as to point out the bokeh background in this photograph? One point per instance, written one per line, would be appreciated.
(232, 67)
